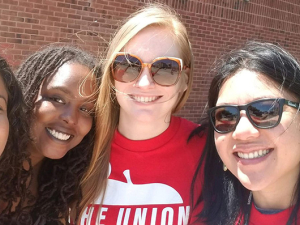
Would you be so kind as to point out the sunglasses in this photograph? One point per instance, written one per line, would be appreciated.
(264, 114)
(165, 71)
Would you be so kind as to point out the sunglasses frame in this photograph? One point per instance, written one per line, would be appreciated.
(281, 102)
(148, 65)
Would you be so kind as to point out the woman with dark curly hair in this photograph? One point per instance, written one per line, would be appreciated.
(59, 86)
(13, 129)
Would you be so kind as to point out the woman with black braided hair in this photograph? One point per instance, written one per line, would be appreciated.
(59, 85)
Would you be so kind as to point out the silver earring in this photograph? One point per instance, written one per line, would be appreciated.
(224, 167)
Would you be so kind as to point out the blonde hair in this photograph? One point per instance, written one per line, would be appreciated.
(95, 179)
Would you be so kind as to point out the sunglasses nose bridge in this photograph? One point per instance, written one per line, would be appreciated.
(145, 65)
(145, 77)
(243, 110)
(244, 128)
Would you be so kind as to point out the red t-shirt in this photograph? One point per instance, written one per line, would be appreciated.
(280, 218)
(149, 180)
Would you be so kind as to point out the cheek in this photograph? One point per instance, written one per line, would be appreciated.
(35, 129)
(182, 83)
(287, 132)
(85, 125)
(122, 87)
(288, 140)
(122, 91)
(4, 131)
(43, 112)
(221, 142)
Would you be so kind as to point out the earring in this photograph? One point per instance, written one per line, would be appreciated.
(224, 167)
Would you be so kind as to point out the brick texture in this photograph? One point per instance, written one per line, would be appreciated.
(214, 26)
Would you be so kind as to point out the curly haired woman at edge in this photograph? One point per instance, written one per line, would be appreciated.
(139, 143)
(59, 85)
(12, 177)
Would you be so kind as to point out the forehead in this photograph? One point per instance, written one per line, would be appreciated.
(71, 77)
(153, 42)
(246, 86)
(69, 73)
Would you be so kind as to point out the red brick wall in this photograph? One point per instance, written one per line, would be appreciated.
(214, 27)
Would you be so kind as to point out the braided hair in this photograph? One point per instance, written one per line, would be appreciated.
(58, 180)
(13, 177)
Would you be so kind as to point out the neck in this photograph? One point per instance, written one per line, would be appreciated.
(279, 195)
(143, 130)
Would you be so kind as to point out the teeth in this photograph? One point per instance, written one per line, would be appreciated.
(59, 135)
(253, 155)
(144, 99)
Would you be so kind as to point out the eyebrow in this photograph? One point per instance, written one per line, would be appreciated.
(64, 90)
(1, 96)
(254, 99)
(59, 88)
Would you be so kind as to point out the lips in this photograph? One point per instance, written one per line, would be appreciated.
(58, 134)
(145, 99)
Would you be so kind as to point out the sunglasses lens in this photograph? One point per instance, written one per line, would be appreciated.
(265, 114)
(165, 71)
(126, 68)
(225, 118)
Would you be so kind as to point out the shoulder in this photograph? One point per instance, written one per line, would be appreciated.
(193, 130)
(186, 129)
(185, 124)
(194, 142)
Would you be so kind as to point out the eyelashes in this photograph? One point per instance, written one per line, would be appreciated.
(84, 109)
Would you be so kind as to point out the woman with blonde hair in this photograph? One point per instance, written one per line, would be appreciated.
(140, 146)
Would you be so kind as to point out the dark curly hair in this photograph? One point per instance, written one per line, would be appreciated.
(58, 180)
(13, 177)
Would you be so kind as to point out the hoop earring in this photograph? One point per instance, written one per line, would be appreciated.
(224, 167)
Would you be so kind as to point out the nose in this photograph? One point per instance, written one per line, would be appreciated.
(69, 115)
(244, 129)
(145, 79)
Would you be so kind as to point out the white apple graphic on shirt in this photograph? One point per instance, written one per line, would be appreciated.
(127, 193)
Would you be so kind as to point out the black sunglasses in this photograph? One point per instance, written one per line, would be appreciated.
(264, 114)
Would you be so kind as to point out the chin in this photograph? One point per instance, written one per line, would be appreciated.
(253, 185)
(57, 155)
